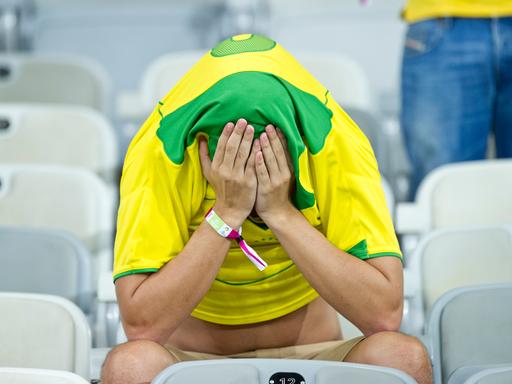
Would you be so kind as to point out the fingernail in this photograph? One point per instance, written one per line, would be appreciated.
(250, 128)
(264, 137)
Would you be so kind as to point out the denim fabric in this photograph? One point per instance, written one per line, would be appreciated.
(456, 89)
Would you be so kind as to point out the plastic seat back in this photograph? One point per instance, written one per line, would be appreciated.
(41, 331)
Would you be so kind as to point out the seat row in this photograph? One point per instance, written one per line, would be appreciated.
(60, 82)
(468, 335)
(51, 134)
(71, 80)
(75, 81)
(77, 201)
(56, 262)
(56, 233)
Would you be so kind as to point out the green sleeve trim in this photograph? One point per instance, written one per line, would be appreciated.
(135, 271)
(360, 250)
(385, 254)
(382, 254)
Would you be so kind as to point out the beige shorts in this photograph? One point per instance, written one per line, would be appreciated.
(329, 350)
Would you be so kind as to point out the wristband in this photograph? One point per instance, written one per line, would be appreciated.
(226, 231)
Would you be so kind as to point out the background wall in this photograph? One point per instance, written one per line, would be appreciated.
(126, 35)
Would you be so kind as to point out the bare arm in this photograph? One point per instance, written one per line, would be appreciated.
(368, 293)
(154, 305)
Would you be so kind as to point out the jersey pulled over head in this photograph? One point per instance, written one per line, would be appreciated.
(164, 195)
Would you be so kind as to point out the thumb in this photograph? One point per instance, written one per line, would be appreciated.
(204, 156)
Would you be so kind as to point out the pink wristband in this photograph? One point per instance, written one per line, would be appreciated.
(226, 231)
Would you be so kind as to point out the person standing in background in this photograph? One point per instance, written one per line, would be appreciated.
(456, 82)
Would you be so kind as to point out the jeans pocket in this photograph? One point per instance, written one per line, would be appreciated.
(424, 36)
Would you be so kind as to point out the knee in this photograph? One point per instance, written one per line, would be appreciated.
(398, 347)
(413, 358)
(395, 350)
(135, 362)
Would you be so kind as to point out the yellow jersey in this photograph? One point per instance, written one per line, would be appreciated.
(164, 196)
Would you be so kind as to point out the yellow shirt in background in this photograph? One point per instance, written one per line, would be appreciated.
(417, 10)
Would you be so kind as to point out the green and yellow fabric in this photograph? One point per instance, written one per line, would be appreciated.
(417, 10)
(164, 195)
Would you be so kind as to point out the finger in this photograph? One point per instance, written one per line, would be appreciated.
(251, 162)
(277, 148)
(261, 171)
(221, 144)
(233, 143)
(270, 158)
(284, 142)
(244, 150)
(204, 156)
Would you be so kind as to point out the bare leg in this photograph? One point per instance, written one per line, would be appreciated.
(394, 350)
(135, 362)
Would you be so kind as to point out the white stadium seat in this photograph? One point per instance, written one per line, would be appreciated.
(264, 371)
(56, 134)
(63, 198)
(451, 258)
(46, 261)
(470, 326)
(495, 375)
(157, 80)
(56, 79)
(42, 331)
(38, 376)
(470, 193)
(342, 76)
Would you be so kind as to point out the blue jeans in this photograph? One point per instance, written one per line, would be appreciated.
(456, 89)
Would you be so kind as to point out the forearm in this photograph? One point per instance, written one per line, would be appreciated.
(356, 289)
(153, 306)
(161, 301)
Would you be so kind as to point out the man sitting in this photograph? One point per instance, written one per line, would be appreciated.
(245, 239)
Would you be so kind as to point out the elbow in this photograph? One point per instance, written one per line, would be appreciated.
(390, 323)
(386, 321)
(149, 332)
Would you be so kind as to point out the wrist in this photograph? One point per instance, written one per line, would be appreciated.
(279, 217)
(231, 217)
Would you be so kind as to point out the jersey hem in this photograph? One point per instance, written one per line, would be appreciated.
(255, 318)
